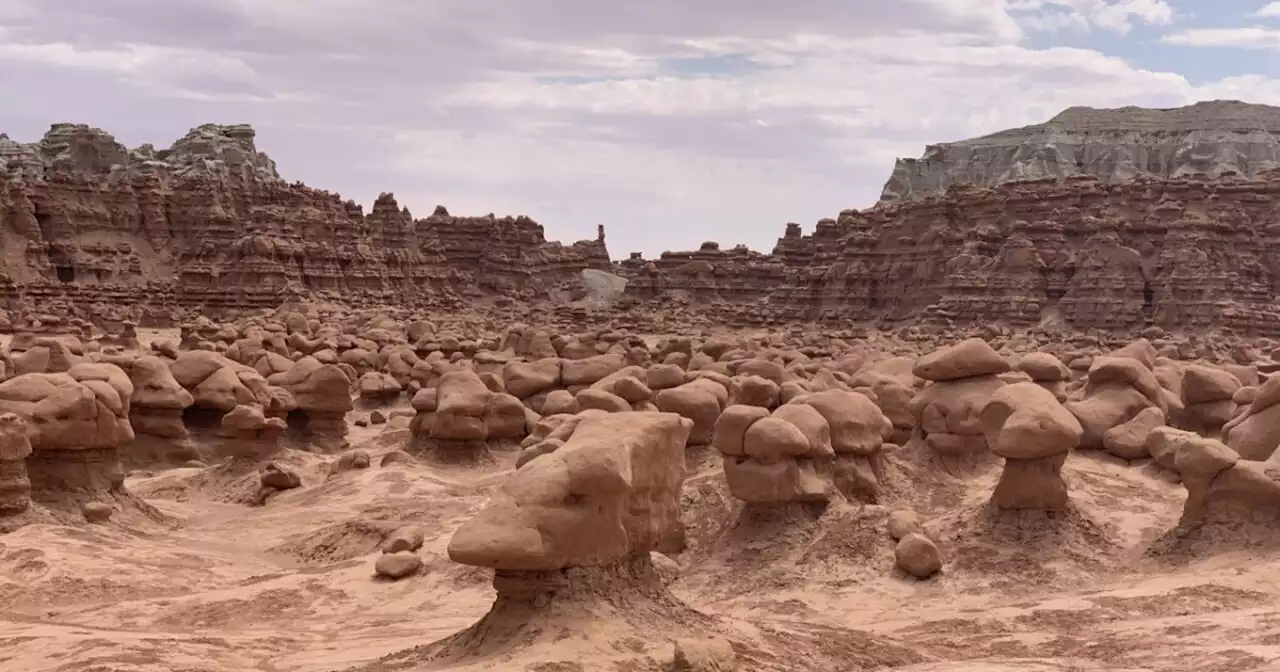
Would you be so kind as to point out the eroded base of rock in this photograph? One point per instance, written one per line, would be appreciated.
(15, 487)
(534, 606)
(1239, 509)
(1032, 484)
(478, 452)
(58, 473)
(318, 431)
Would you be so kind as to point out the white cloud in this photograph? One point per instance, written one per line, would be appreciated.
(1253, 37)
(670, 122)
(1117, 16)
(1269, 10)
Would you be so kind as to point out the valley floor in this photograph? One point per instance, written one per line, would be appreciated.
(289, 587)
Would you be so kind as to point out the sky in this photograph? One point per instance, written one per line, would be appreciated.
(671, 122)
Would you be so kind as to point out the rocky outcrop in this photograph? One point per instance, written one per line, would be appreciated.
(79, 421)
(461, 418)
(570, 533)
(208, 223)
(15, 448)
(1182, 251)
(1214, 138)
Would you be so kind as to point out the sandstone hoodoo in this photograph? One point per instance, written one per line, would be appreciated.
(460, 419)
(947, 411)
(1027, 426)
(570, 533)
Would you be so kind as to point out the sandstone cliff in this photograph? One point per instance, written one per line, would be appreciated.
(209, 224)
(1183, 253)
(1214, 138)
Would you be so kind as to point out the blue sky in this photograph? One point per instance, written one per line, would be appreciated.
(670, 122)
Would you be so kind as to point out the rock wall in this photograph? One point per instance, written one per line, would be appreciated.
(1182, 253)
(1214, 138)
(209, 224)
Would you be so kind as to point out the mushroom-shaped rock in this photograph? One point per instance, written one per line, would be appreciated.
(697, 402)
(322, 397)
(156, 414)
(461, 418)
(610, 493)
(1232, 503)
(1027, 426)
(248, 434)
(946, 414)
(857, 429)
(78, 422)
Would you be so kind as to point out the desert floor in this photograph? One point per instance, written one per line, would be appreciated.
(290, 586)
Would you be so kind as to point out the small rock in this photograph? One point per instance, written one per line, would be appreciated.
(404, 539)
(362, 422)
(378, 418)
(96, 512)
(901, 523)
(395, 457)
(194, 464)
(397, 565)
(667, 569)
(273, 476)
(918, 556)
(713, 654)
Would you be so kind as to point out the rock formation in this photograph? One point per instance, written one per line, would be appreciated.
(247, 434)
(948, 411)
(15, 448)
(1027, 426)
(569, 534)
(79, 421)
(1231, 503)
(1214, 138)
(1119, 388)
(156, 414)
(208, 223)
(1180, 242)
(460, 418)
(321, 396)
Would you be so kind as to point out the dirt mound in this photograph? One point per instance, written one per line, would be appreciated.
(1012, 546)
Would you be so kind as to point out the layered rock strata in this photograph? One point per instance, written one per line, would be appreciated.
(208, 223)
(1181, 249)
(1215, 138)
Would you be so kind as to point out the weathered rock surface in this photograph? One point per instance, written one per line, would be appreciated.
(1109, 248)
(209, 223)
(1213, 138)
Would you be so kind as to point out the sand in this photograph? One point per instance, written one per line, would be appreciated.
(290, 586)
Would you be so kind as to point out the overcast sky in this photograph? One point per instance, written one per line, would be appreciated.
(668, 121)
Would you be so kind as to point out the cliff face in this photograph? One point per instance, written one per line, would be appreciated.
(208, 223)
(1213, 138)
(1183, 253)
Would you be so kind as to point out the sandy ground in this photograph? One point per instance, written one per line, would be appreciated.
(290, 586)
